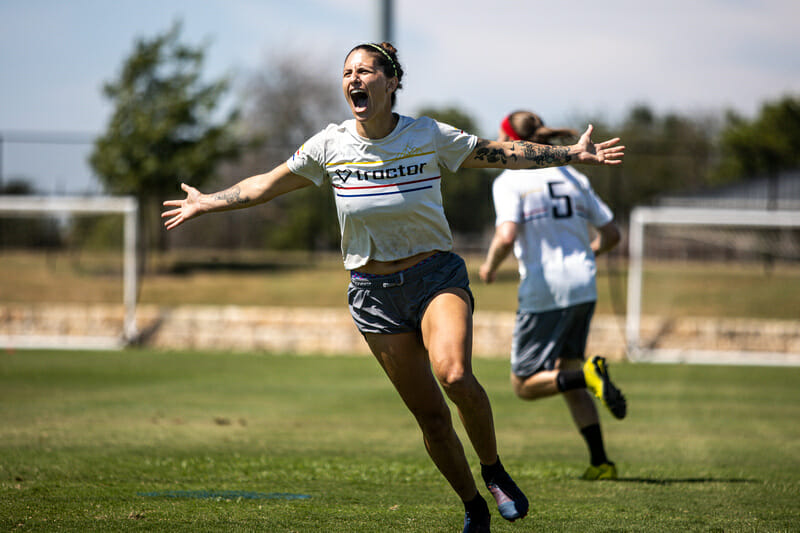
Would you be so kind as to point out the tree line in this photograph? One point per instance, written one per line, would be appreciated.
(168, 126)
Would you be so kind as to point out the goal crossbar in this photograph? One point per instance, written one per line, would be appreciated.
(643, 216)
(128, 207)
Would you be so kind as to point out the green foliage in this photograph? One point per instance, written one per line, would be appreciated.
(764, 146)
(99, 232)
(26, 231)
(308, 223)
(284, 103)
(467, 194)
(162, 131)
(88, 438)
(664, 154)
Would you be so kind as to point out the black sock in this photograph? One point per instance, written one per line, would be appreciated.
(476, 506)
(570, 379)
(488, 472)
(594, 440)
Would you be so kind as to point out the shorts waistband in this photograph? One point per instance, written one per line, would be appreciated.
(397, 279)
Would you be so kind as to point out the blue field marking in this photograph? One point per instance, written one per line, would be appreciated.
(225, 495)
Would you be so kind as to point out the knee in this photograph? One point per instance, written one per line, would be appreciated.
(458, 383)
(518, 386)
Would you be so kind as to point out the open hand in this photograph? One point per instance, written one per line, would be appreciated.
(604, 153)
(184, 209)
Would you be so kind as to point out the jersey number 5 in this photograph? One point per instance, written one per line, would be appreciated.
(562, 203)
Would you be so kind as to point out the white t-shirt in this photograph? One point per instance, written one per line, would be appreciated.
(552, 207)
(387, 191)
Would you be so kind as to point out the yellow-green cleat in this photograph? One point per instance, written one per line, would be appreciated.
(600, 472)
(595, 372)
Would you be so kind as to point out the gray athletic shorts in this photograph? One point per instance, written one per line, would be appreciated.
(395, 303)
(542, 338)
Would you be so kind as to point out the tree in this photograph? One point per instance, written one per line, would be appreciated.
(664, 154)
(284, 103)
(162, 131)
(765, 146)
(26, 231)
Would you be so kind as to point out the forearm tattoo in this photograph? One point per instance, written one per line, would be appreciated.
(543, 155)
(232, 196)
(539, 155)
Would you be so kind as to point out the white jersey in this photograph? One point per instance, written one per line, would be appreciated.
(552, 207)
(387, 191)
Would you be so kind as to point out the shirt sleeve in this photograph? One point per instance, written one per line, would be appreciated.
(309, 160)
(599, 214)
(507, 203)
(452, 145)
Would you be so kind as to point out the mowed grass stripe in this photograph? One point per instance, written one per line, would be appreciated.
(86, 436)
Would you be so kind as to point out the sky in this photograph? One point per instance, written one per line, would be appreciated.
(561, 60)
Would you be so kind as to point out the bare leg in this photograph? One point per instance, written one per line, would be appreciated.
(406, 363)
(543, 384)
(447, 334)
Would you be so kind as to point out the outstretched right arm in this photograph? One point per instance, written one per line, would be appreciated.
(247, 193)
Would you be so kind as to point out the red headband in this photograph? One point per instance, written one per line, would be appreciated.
(505, 125)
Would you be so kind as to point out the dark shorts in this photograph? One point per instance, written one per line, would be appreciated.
(542, 338)
(395, 303)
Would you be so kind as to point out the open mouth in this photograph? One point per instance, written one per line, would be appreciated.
(359, 98)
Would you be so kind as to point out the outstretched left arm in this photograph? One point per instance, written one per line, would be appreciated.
(523, 154)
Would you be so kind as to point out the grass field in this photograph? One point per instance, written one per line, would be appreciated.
(157, 441)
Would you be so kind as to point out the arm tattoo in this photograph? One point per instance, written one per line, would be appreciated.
(491, 155)
(539, 155)
(545, 155)
(232, 196)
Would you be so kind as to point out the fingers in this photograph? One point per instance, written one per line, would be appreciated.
(608, 153)
(608, 143)
(615, 154)
(175, 216)
(174, 221)
(614, 150)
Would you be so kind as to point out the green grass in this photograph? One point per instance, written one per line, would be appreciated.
(86, 436)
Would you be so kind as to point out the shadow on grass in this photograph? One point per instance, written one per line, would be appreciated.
(663, 481)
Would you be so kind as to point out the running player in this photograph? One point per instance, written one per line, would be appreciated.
(543, 216)
(409, 294)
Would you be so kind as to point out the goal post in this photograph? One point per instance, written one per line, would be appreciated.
(127, 207)
(696, 221)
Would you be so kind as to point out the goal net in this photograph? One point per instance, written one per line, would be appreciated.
(68, 275)
(716, 286)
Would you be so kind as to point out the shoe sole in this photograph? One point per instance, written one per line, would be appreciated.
(612, 396)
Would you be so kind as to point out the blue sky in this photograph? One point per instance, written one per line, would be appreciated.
(563, 60)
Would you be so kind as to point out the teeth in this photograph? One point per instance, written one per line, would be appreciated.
(359, 97)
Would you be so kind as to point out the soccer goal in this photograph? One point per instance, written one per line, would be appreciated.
(53, 293)
(714, 286)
